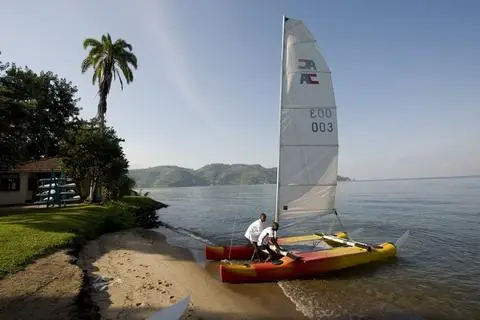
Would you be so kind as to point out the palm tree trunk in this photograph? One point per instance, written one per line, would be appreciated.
(102, 107)
(91, 190)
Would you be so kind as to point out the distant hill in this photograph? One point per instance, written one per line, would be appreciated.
(212, 174)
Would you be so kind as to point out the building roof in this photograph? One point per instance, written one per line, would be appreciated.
(43, 165)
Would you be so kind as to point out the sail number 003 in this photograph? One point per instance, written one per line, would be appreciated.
(322, 113)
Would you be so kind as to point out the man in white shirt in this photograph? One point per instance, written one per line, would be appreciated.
(265, 238)
(254, 230)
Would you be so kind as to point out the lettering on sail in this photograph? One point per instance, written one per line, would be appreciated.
(323, 122)
(307, 77)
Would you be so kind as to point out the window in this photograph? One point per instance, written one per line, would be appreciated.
(10, 182)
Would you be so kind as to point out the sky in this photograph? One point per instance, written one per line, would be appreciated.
(405, 75)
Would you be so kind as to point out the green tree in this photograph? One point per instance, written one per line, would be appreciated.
(3, 66)
(89, 154)
(108, 60)
(13, 129)
(122, 186)
(40, 106)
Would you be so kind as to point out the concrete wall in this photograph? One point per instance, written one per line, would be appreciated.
(16, 197)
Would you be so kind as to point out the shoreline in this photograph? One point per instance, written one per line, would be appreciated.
(149, 274)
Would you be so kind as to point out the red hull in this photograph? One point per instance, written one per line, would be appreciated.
(241, 252)
(245, 252)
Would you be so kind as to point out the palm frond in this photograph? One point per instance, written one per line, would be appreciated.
(90, 42)
(107, 41)
(97, 75)
(96, 50)
(86, 63)
(97, 60)
(104, 38)
(119, 77)
(120, 43)
(127, 72)
(94, 77)
(130, 58)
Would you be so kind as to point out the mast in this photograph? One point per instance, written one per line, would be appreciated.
(282, 69)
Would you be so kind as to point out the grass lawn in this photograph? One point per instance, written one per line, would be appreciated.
(25, 235)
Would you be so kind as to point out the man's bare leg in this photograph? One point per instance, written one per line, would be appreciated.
(256, 251)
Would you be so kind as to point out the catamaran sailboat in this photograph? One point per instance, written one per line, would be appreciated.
(307, 171)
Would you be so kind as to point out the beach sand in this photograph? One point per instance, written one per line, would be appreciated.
(149, 274)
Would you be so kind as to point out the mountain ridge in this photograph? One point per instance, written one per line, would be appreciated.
(210, 174)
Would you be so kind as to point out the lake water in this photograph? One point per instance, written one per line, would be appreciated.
(436, 275)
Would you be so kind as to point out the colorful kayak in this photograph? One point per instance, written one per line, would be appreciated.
(309, 264)
(245, 252)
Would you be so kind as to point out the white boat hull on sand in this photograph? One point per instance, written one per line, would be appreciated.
(174, 312)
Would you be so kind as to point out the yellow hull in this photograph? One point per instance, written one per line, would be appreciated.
(309, 264)
(312, 237)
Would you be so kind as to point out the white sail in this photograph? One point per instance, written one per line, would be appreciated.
(308, 165)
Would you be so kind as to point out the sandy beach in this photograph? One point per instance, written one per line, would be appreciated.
(148, 274)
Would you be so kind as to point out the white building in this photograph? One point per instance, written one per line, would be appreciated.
(18, 186)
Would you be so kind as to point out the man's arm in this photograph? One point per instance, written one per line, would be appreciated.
(260, 240)
(275, 243)
(282, 251)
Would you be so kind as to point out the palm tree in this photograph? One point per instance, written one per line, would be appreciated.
(108, 60)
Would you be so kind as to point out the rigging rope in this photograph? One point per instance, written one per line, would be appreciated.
(231, 238)
(338, 219)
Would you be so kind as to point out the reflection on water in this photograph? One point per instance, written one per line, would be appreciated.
(436, 274)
